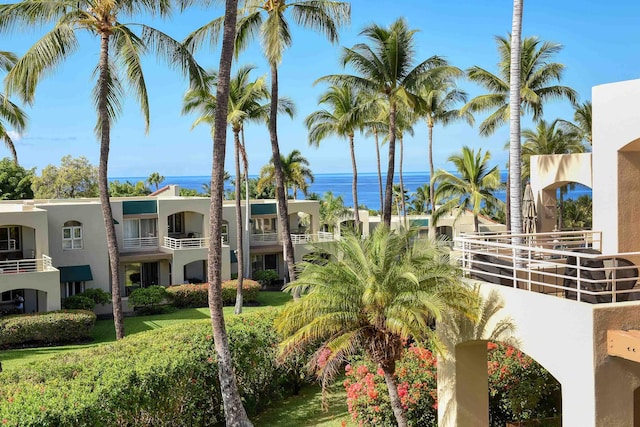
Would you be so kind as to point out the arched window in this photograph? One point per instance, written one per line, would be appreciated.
(72, 235)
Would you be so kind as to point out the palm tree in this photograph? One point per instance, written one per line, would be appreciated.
(155, 179)
(380, 292)
(536, 73)
(386, 67)
(515, 103)
(332, 210)
(343, 120)
(119, 60)
(296, 172)
(438, 101)
(420, 203)
(375, 124)
(268, 19)
(235, 414)
(471, 186)
(10, 113)
(582, 120)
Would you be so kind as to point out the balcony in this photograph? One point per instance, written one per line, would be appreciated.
(264, 238)
(8, 245)
(321, 236)
(563, 264)
(26, 265)
(140, 243)
(187, 243)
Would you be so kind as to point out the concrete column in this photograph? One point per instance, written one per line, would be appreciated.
(463, 395)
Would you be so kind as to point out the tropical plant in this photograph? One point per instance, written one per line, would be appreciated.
(15, 181)
(155, 179)
(75, 177)
(332, 210)
(128, 189)
(582, 121)
(296, 173)
(472, 185)
(578, 213)
(386, 67)
(268, 19)
(438, 101)
(343, 119)
(420, 202)
(375, 125)
(119, 61)
(375, 294)
(10, 113)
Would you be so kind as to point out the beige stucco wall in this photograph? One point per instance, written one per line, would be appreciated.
(27, 216)
(46, 281)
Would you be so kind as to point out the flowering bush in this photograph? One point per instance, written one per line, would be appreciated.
(55, 327)
(368, 397)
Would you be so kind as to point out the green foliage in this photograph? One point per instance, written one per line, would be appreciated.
(55, 327)
(267, 191)
(266, 277)
(296, 172)
(97, 295)
(78, 302)
(146, 298)
(75, 177)
(578, 214)
(332, 210)
(155, 179)
(15, 181)
(162, 378)
(189, 192)
(128, 189)
(183, 296)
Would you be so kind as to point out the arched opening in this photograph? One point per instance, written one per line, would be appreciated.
(566, 205)
(21, 301)
(196, 271)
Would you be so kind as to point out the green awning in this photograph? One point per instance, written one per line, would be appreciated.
(420, 222)
(263, 209)
(75, 273)
(138, 207)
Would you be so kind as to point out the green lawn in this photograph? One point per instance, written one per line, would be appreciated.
(104, 331)
(305, 410)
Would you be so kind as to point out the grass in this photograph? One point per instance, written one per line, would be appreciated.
(305, 409)
(104, 331)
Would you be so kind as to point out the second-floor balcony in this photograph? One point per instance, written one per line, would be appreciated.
(259, 237)
(186, 243)
(139, 243)
(321, 236)
(26, 265)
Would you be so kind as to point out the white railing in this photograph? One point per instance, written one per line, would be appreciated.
(264, 237)
(189, 243)
(26, 265)
(140, 243)
(8, 245)
(322, 236)
(567, 264)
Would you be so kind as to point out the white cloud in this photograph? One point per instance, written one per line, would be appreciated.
(15, 136)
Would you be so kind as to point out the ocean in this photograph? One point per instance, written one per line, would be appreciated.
(340, 185)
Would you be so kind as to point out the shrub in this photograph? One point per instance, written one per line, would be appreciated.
(97, 295)
(183, 296)
(78, 302)
(266, 277)
(147, 298)
(56, 327)
(165, 377)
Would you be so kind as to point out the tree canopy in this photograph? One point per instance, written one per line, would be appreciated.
(75, 177)
(15, 181)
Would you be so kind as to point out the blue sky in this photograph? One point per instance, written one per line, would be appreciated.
(599, 42)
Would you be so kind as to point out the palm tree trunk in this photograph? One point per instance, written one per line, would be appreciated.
(508, 198)
(514, 120)
(432, 186)
(103, 185)
(354, 185)
(476, 223)
(375, 136)
(388, 194)
(394, 397)
(239, 240)
(561, 209)
(281, 192)
(235, 414)
(402, 201)
(247, 219)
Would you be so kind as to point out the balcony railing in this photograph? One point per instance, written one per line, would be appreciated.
(8, 245)
(264, 237)
(140, 243)
(565, 264)
(26, 265)
(322, 236)
(189, 243)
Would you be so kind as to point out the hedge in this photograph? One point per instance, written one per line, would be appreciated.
(56, 327)
(183, 296)
(165, 377)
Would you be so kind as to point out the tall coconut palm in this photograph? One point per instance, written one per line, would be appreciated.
(332, 210)
(343, 119)
(375, 124)
(119, 61)
(155, 179)
(420, 201)
(582, 121)
(269, 20)
(235, 414)
(515, 103)
(473, 184)
(10, 113)
(295, 170)
(380, 292)
(438, 101)
(537, 73)
(386, 66)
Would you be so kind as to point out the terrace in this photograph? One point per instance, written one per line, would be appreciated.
(26, 265)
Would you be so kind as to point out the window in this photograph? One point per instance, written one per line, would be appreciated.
(140, 275)
(72, 288)
(10, 238)
(72, 235)
(225, 232)
(176, 223)
(264, 225)
(140, 227)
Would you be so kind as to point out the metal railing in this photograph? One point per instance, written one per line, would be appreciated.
(566, 264)
(321, 236)
(264, 237)
(26, 265)
(188, 243)
(140, 243)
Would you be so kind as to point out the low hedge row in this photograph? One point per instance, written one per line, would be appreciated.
(56, 327)
(183, 296)
(166, 377)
